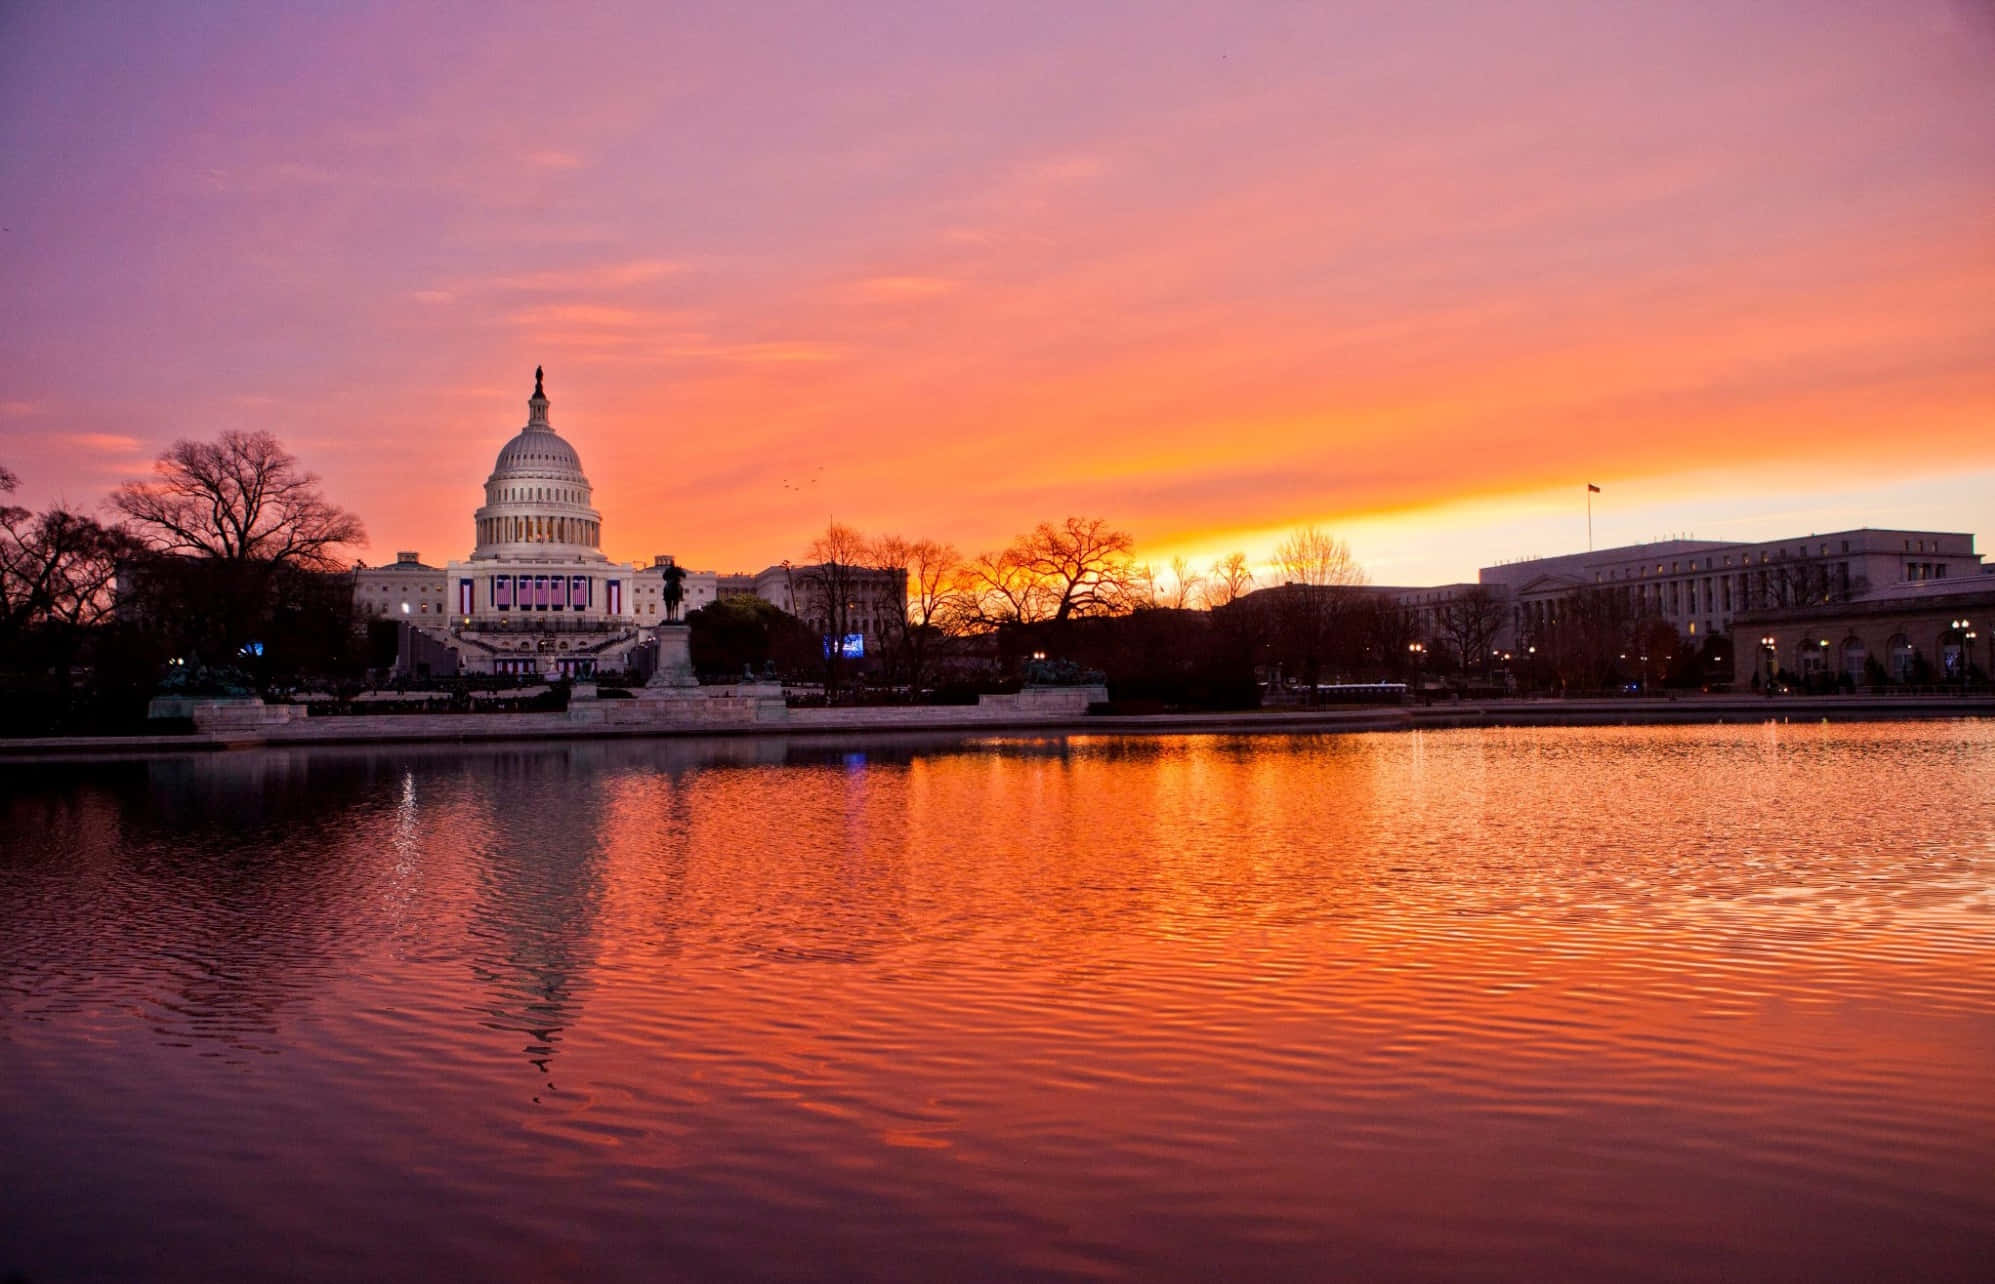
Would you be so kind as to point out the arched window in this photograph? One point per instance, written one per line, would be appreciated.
(1899, 653)
(1853, 658)
(1953, 654)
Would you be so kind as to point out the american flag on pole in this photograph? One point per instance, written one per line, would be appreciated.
(1592, 489)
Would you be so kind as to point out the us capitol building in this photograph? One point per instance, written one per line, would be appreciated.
(537, 595)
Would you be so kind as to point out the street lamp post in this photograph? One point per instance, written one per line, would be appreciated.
(1966, 648)
(1418, 650)
(1766, 649)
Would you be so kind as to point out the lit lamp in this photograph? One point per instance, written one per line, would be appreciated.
(1766, 648)
(1418, 650)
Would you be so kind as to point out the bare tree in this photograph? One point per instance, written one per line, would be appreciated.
(1310, 556)
(934, 602)
(1229, 580)
(1320, 591)
(1002, 589)
(1055, 572)
(1469, 622)
(1187, 586)
(243, 498)
(1389, 629)
(1142, 589)
(1580, 646)
(57, 568)
(827, 592)
(1084, 564)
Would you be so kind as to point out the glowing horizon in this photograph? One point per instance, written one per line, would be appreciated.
(1210, 273)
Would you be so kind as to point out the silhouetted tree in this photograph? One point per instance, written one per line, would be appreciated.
(1084, 564)
(1388, 629)
(238, 532)
(1229, 580)
(1582, 640)
(1003, 590)
(827, 592)
(1316, 606)
(934, 603)
(1187, 586)
(1468, 623)
(57, 574)
(1072, 569)
(242, 498)
(743, 632)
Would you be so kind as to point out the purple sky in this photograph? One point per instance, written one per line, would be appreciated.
(1413, 272)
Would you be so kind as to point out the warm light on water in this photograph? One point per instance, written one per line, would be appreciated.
(1658, 1003)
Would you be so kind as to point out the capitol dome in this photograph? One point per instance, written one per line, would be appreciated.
(537, 450)
(537, 500)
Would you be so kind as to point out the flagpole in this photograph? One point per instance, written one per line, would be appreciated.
(1589, 517)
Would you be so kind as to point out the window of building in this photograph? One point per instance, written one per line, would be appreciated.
(1900, 653)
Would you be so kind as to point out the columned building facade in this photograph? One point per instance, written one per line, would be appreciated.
(1701, 586)
(537, 596)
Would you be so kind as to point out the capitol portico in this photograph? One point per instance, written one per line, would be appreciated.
(537, 595)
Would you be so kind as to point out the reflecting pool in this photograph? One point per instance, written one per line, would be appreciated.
(1628, 1003)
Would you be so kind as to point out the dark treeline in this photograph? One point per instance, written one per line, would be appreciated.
(224, 572)
(220, 571)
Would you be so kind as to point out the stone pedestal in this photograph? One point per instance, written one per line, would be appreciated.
(673, 692)
(675, 659)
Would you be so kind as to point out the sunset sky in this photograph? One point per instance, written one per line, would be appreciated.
(1412, 272)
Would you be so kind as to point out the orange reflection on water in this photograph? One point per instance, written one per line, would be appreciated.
(1630, 1003)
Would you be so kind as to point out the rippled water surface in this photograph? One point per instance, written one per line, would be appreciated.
(1646, 1003)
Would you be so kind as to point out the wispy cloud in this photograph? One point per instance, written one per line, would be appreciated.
(597, 316)
(1067, 168)
(777, 352)
(554, 160)
(598, 276)
(899, 288)
(102, 443)
(18, 409)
